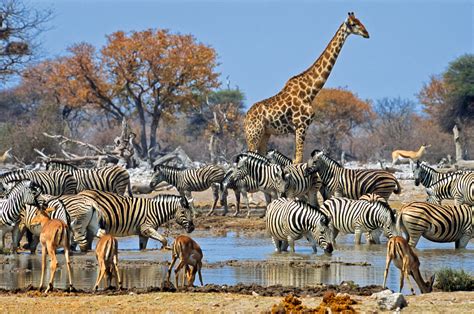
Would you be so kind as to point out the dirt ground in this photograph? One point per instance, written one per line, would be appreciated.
(167, 302)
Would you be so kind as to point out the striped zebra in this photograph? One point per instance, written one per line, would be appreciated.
(352, 183)
(188, 180)
(108, 179)
(82, 213)
(55, 182)
(437, 223)
(242, 185)
(463, 192)
(289, 220)
(269, 177)
(367, 215)
(298, 184)
(124, 216)
(22, 193)
(439, 186)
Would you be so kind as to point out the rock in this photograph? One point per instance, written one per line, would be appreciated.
(255, 294)
(387, 300)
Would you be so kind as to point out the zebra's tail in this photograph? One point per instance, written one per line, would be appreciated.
(399, 225)
(398, 189)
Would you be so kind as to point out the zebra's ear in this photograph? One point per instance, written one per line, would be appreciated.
(156, 168)
(314, 152)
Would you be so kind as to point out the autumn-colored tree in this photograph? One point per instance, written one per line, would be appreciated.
(338, 113)
(449, 100)
(148, 75)
(19, 28)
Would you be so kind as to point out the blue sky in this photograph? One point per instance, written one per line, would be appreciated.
(261, 44)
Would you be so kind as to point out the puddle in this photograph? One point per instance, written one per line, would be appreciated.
(18, 271)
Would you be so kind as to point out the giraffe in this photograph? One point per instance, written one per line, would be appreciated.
(292, 109)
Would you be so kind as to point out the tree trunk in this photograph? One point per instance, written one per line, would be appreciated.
(153, 130)
(457, 132)
(143, 142)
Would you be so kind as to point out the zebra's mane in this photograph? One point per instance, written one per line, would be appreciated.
(279, 154)
(165, 167)
(254, 157)
(383, 204)
(166, 197)
(62, 163)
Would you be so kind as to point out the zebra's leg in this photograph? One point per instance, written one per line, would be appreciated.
(215, 193)
(291, 243)
(268, 200)
(247, 202)
(277, 244)
(358, 235)
(335, 232)
(314, 244)
(149, 232)
(413, 239)
(462, 242)
(142, 242)
(237, 202)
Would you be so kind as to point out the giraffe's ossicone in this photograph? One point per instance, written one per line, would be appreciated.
(291, 110)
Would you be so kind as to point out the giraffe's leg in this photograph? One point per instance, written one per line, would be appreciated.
(254, 134)
(300, 135)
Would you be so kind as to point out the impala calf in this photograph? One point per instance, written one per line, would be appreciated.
(407, 261)
(54, 234)
(107, 256)
(190, 255)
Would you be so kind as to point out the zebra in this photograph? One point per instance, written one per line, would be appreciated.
(108, 179)
(298, 184)
(351, 183)
(124, 216)
(269, 177)
(244, 185)
(439, 186)
(187, 180)
(463, 191)
(22, 193)
(437, 223)
(368, 214)
(290, 220)
(82, 216)
(55, 182)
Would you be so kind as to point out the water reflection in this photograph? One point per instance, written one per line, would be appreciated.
(21, 270)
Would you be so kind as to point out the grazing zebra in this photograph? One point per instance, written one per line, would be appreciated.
(242, 186)
(188, 180)
(368, 214)
(55, 182)
(436, 223)
(108, 179)
(289, 220)
(298, 184)
(23, 193)
(439, 186)
(269, 177)
(124, 216)
(352, 183)
(463, 191)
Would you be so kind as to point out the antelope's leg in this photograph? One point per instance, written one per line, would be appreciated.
(53, 266)
(117, 272)
(68, 265)
(44, 252)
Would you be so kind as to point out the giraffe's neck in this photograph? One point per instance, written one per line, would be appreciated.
(310, 82)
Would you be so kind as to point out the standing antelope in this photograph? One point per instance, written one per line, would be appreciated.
(54, 234)
(190, 255)
(106, 253)
(407, 261)
(412, 156)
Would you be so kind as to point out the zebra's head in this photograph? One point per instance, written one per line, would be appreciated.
(184, 215)
(314, 163)
(417, 173)
(31, 192)
(157, 178)
(323, 233)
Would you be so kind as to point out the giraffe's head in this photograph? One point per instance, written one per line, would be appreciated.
(354, 26)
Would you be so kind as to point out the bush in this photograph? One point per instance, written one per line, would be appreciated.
(448, 279)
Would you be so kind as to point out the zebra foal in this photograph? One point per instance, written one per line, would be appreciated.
(289, 220)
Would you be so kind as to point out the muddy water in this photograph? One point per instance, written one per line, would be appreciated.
(143, 269)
